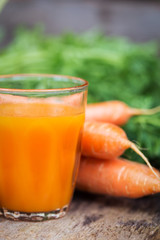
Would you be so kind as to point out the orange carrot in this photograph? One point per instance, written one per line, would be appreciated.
(115, 112)
(116, 177)
(107, 141)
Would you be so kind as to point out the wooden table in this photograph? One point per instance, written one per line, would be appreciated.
(94, 217)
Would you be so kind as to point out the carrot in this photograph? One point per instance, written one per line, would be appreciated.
(107, 141)
(115, 112)
(116, 177)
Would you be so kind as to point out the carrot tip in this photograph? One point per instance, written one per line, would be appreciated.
(146, 111)
(135, 148)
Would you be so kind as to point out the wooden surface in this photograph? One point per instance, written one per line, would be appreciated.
(94, 217)
(137, 20)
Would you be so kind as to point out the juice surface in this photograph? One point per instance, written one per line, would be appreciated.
(39, 150)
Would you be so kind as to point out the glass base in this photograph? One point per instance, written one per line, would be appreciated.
(35, 216)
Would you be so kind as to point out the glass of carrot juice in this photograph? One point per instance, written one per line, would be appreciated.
(41, 122)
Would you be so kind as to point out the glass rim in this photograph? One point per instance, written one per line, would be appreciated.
(75, 88)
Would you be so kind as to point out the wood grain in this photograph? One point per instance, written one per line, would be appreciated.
(94, 217)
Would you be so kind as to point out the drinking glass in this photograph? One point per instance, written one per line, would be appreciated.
(41, 122)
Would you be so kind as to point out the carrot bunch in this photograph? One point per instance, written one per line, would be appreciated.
(101, 168)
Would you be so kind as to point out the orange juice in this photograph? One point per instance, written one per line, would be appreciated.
(39, 149)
